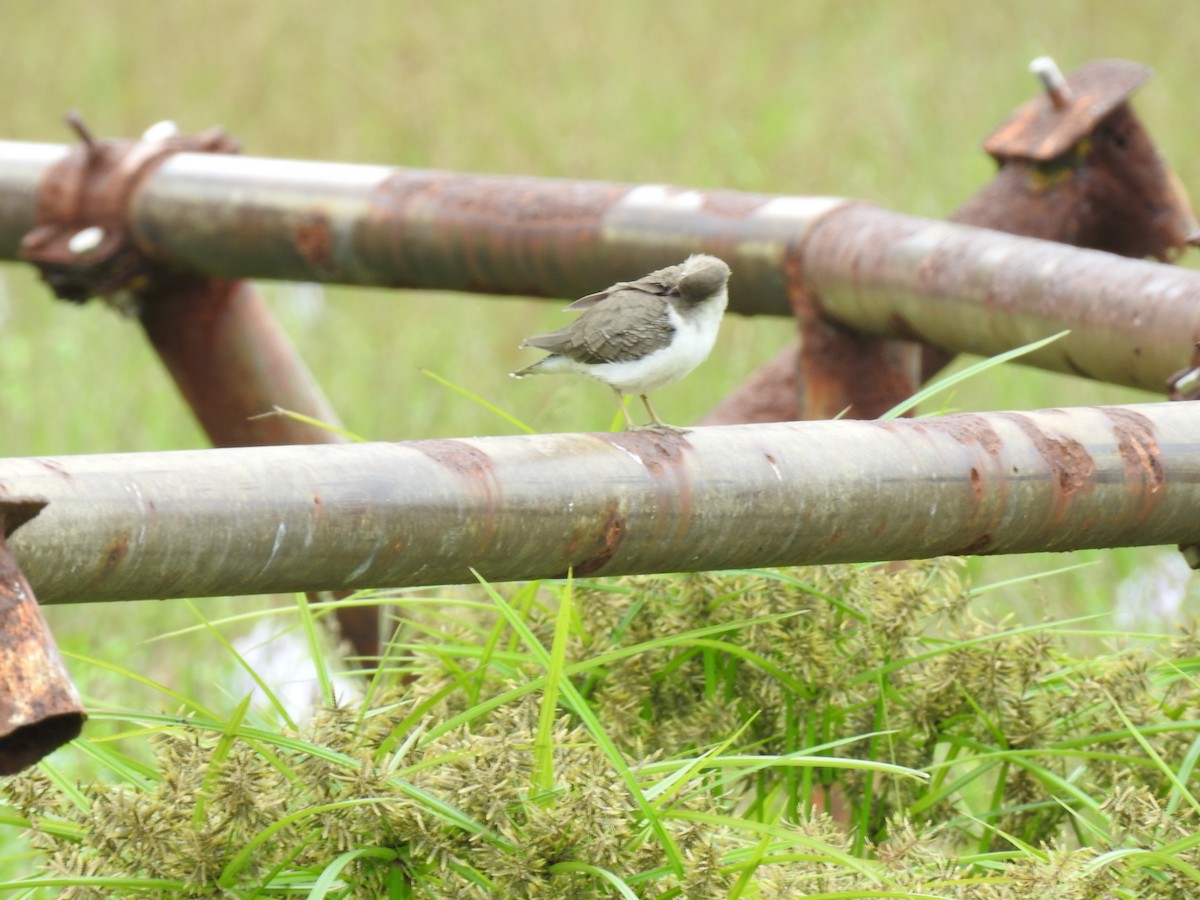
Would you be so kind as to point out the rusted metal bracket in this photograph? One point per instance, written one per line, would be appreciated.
(1070, 108)
(1077, 166)
(40, 709)
(1185, 384)
(82, 244)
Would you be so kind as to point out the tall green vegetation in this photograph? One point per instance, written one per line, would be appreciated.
(849, 731)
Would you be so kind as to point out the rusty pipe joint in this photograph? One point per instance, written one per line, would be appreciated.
(40, 709)
(81, 243)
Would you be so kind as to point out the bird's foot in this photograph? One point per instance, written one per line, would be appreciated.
(662, 428)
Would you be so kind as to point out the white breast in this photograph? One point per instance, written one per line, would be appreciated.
(695, 335)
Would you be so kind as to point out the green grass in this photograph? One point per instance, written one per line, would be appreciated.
(847, 732)
(885, 102)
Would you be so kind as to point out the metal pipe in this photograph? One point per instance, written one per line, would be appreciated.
(975, 290)
(282, 519)
(441, 230)
(878, 272)
(22, 165)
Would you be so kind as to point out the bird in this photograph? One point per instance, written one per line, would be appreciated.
(639, 336)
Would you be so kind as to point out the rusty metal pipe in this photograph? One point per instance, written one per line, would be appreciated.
(22, 165)
(878, 272)
(40, 709)
(441, 230)
(232, 361)
(279, 519)
(974, 290)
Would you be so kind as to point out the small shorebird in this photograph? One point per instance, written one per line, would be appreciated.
(639, 336)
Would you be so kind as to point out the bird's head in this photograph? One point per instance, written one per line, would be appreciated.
(701, 276)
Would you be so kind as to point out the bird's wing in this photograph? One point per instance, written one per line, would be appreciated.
(627, 326)
(592, 299)
(658, 283)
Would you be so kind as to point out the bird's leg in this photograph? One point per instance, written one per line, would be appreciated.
(650, 409)
(624, 411)
(656, 423)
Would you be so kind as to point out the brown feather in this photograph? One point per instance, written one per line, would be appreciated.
(660, 283)
(629, 325)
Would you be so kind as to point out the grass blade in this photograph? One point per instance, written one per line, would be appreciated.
(475, 398)
(581, 708)
(543, 766)
(932, 390)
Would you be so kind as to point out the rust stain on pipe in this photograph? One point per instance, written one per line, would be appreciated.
(661, 454)
(475, 469)
(603, 546)
(40, 709)
(967, 428)
(460, 228)
(469, 462)
(57, 468)
(118, 549)
(314, 240)
(658, 451)
(548, 237)
(1069, 461)
(981, 545)
(1138, 446)
(987, 481)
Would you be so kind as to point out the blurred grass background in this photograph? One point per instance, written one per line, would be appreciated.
(882, 101)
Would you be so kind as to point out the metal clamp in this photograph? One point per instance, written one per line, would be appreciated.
(1185, 384)
(82, 244)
